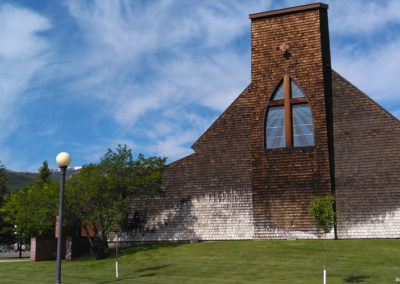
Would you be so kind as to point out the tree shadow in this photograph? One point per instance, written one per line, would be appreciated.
(147, 275)
(356, 278)
(148, 269)
(153, 268)
(173, 226)
(148, 247)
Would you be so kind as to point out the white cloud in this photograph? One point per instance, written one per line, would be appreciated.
(213, 81)
(18, 33)
(188, 56)
(357, 16)
(125, 40)
(22, 54)
(374, 71)
(163, 70)
(141, 60)
(175, 146)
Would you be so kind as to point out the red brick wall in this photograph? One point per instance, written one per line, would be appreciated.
(43, 248)
(283, 180)
(367, 164)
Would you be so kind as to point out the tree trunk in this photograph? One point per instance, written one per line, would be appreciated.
(99, 243)
(88, 236)
(20, 245)
(19, 249)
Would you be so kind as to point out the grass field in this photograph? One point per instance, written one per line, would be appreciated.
(349, 261)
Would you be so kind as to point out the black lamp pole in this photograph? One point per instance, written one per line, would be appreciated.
(63, 159)
(60, 222)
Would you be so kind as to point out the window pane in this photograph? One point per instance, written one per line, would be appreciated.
(296, 91)
(275, 128)
(303, 130)
(278, 95)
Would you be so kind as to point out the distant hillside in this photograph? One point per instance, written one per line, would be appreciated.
(17, 180)
(56, 174)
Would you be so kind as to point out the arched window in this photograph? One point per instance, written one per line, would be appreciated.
(289, 120)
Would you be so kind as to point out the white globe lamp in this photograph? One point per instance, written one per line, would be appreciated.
(63, 159)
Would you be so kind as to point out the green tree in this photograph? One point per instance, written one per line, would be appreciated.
(7, 235)
(45, 173)
(101, 194)
(33, 209)
(321, 208)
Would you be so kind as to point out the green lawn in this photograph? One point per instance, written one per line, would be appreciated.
(349, 261)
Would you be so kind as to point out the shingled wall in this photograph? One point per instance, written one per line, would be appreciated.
(232, 187)
(207, 195)
(285, 179)
(367, 163)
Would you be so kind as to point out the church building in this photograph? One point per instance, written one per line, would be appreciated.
(298, 130)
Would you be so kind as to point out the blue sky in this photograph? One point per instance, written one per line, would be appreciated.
(84, 76)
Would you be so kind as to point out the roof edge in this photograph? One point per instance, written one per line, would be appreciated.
(289, 10)
(368, 97)
(194, 146)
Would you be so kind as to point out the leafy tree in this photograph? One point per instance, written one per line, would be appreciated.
(6, 227)
(101, 194)
(321, 208)
(34, 207)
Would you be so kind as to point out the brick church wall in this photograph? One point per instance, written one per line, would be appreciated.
(207, 195)
(285, 179)
(367, 163)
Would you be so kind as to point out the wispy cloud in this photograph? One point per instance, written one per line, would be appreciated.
(141, 60)
(364, 17)
(23, 52)
(380, 63)
(366, 40)
(155, 74)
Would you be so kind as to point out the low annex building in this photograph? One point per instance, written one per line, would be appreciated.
(298, 130)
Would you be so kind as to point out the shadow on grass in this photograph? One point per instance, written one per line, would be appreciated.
(148, 275)
(128, 278)
(356, 279)
(131, 250)
(153, 268)
(148, 269)
(149, 247)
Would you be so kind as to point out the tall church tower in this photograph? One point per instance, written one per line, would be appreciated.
(291, 138)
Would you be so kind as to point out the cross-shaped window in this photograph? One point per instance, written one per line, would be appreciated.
(289, 120)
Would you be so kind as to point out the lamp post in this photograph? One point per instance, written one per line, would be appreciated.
(63, 160)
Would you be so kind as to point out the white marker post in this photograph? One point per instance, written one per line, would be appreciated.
(116, 258)
(116, 268)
